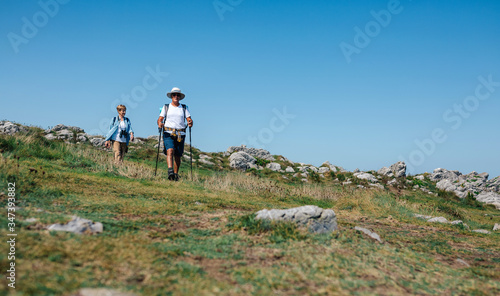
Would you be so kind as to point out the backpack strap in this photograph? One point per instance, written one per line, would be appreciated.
(166, 113)
(184, 109)
(114, 120)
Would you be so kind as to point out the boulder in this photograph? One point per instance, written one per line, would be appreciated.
(489, 198)
(398, 169)
(420, 177)
(78, 225)
(289, 170)
(330, 166)
(438, 220)
(323, 170)
(316, 219)
(258, 153)
(483, 231)
(392, 182)
(446, 185)
(493, 184)
(440, 174)
(366, 176)
(496, 227)
(241, 161)
(386, 172)
(98, 142)
(273, 166)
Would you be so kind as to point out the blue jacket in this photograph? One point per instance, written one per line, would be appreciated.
(113, 127)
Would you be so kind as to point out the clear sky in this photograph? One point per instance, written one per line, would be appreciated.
(361, 84)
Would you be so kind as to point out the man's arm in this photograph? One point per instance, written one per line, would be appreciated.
(190, 121)
(160, 122)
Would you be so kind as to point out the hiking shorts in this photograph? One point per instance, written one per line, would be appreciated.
(171, 142)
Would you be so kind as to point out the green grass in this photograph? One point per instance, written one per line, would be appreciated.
(201, 236)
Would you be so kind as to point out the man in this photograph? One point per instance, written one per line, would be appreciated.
(173, 119)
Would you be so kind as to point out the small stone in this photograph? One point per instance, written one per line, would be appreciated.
(369, 233)
(462, 262)
(438, 220)
(483, 231)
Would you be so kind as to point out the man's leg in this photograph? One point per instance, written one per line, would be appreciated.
(170, 164)
(178, 151)
(169, 147)
(177, 164)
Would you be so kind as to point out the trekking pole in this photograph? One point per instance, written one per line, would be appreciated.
(160, 130)
(191, 154)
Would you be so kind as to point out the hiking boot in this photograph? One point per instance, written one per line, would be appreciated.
(176, 177)
(171, 175)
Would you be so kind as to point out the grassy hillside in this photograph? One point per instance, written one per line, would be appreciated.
(199, 237)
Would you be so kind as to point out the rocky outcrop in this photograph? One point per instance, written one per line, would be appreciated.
(473, 183)
(67, 133)
(9, 128)
(316, 219)
(258, 153)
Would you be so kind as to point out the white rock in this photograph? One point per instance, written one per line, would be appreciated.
(78, 225)
(369, 233)
(392, 182)
(438, 220)
(378, 186)
(323, 170)
(496, 227)
(241, 160)
(289, 170)
(273, 166)
(489, 198)
(422, 216)
(484, 231)
(366, 176)
(318, 220)
(462, 262)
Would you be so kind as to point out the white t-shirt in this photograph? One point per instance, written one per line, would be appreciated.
(175, 117)
(116, 135)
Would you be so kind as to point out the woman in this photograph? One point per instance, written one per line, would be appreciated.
(120, 133)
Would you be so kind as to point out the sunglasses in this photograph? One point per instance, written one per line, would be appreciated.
(176, 95)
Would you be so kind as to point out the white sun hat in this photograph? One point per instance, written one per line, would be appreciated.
(176, 90)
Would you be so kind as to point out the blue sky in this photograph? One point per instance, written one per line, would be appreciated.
(361, 84)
